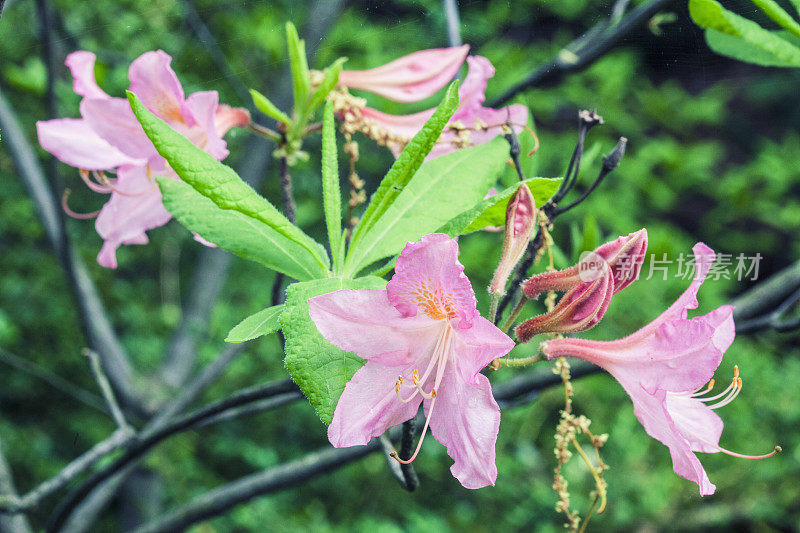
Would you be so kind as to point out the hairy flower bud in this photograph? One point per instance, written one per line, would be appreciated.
(578, 310)
(623, 257)
(520, 223)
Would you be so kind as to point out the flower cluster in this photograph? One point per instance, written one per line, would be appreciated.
(416, 77)
(108, 138)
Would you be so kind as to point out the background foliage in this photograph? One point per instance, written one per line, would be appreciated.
(713, 154)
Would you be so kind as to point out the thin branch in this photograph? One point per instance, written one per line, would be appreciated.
(116, 441)
(70, 515)
(94, 318)
(105, 388)
(10, 523)
(403, 473)
(767, 295)
(584, 51)
(53, 379)
(290, 210)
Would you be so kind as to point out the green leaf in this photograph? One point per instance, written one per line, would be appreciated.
(326, 86)
(756, 45)
(301, 81)
(320, 369)
(237, 233)
(492, 210)
(268, 108)
(218, 182)
(776, 13)
(257, 325)
(439, 190)
(407, 163)
(331, 193)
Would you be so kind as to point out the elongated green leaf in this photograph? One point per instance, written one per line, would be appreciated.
(320, 369)
(408, 162)
(739, 49)
(268, 108)
(326, 86)
(440, 189)
(236, 232)
(768, 48)
(301, 82)
(492, 210)
(218, 182)
(331, 193)
(257, 325)
(778, 15)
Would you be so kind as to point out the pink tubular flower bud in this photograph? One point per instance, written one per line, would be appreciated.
(520, 223)
(410, 78)
(578, 310)
(623, 257)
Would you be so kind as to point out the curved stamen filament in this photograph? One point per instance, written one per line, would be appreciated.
(73, 214)
(731, 396)
(725, 392)
(441, 358)
(777, 450)
(96, 187)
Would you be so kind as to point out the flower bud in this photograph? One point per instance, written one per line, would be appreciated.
(520, 223)
(622, 257)
(410, 78)
(578, 310)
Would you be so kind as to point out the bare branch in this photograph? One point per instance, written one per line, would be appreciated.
(10, 523)
(588, 48)
(94, 318)
(105, 387)
(767, 295)
(117, 440)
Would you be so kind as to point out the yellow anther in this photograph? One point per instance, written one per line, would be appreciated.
(415, 376)
(710, 385)
(736, 371)
(433, 393)
(739, 382)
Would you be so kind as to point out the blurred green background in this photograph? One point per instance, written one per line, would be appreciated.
(713, 156)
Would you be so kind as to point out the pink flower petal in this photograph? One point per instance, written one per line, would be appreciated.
(478, 346)
(368, 407)
(466, 419)
(364, 322)
(651, 411)
(75, 143)
(697, 422)
(156, 85)
(228, 117)
(81, 65)
(429, 278)
(113, 120)
(200, 110)
(125, 217)
(410, 78)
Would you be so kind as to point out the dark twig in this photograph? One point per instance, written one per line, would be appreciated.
(582, 52)
(586, 121)
(773, 320)
(610, 162)
(289, 209)
(403, 473)
(769, 294)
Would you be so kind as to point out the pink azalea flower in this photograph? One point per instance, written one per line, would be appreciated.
(664, 367)
(107, 137)
(424, 342)
(471, 124)
(410, 78)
